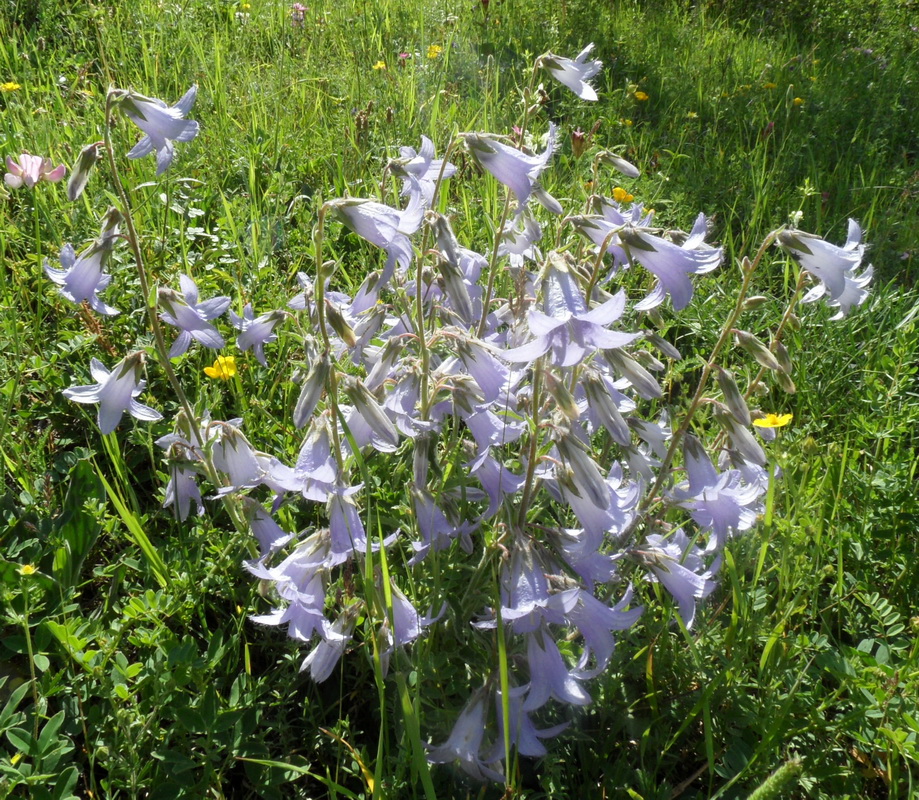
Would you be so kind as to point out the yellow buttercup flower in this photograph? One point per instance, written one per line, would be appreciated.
(770, 86)
(380, 65)
(620, 195)
(434, 50)
(641, 96)
(27, 569)
(9, 86)
(224, 368)
(798, 101)
(773, 420)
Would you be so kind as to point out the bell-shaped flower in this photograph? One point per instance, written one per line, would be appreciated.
(510, 166)
(256, 332)
(405, 625)
(115, 391)
(595, 621)
(161, 123)
(30, 169)
(496, 479)
(465, 741)
(519, 238)
(234, 457)
(573, 73)
(267, 532)
(300, 580)
(526, 602)
(524, 735)
(423, 168)
(182, 491)
(679, 568)
(724, 504)
(436, 529)
(834, 267)
(191, 317)
(567, 329)
(670, 263)
(323, 658)
(83, 276)
(386, 227)
(549, 676)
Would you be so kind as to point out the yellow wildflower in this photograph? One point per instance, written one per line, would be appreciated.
(798, 101)
(773, 420)
(224, 368)
(641, 96)
(380, 65)
(27, 569)
(434, 50)
(9, 86)
(626, 123)
(770, 86)
(620, 195)
(692, 115)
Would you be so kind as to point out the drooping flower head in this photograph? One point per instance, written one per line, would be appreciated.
(161, 123)
(573, 73)
(834, 267)
(83, 276)
(115, 391)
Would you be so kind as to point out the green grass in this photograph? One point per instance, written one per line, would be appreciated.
(149, 679)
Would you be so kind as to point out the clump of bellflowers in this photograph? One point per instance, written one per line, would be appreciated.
(517, 398)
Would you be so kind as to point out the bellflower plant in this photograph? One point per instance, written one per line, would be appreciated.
(510, 410)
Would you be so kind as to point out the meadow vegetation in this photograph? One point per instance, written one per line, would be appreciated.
(129, 664)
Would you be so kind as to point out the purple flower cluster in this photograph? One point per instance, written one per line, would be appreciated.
(523, 408)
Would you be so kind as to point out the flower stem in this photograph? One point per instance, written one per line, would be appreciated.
(748, 269)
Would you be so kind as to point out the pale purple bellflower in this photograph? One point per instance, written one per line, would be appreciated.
(256, 332)
(83, 277)
(834, 267)
(514, 168)
(115, 391)
(465, 741)
(191, 317)
(678, 566)
(567, 329)
(423, 167)
(161, 123)
(573, 73)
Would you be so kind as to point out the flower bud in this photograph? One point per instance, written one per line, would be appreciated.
(638, 376)
(781, 355)
(563, 397)
(757, 349)
(584, 471)
(372, 412)
(579, 143)
(338, 324)
(733, 399)
(785, 381)
(755, 301)
(311, 391)
(618, 163)
(603, 405)
(663, 345)
(87, 159)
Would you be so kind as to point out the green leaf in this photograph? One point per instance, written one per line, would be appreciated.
(78, 528)
(138, 535)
